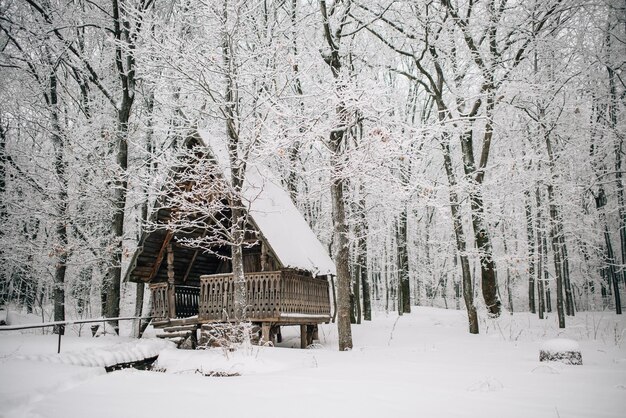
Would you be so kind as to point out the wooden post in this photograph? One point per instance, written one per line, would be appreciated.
(303, 336)
(265, 332)
(194, 337)
(309, 334)
(171, 292)
(61, 332)
(263, 256)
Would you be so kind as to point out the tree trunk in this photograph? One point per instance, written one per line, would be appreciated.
(556, 230)
(4, 275)
(540, 257)
(509, 293)
(336, 144)
(125, 64)
(567, 285)
(356, 268)
(237, 170)
(356, 294)
(365, 286)
(139, 298)
(114, 275)
(294, 149)
(556, 251)
(618, 142)
(530, 239)
(546, 275)
(342, 258)
(610, 261)
(362, 260)
(61, 250)
(403, 264)
(489, 284)
(468, 288)
(240, 297)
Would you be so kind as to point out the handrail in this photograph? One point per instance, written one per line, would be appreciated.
(62, 324)
(71, 322)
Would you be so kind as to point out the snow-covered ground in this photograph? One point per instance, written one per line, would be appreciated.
(422, 364)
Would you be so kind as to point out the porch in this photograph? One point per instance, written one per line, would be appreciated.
(274, 298)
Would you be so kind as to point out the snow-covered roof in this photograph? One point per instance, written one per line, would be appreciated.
(272, 211)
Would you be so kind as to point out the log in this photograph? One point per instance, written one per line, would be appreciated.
(562, 350)
(144, 364)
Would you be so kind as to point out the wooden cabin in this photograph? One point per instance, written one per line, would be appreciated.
(286, 267)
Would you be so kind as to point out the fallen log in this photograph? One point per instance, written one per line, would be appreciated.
(561, 350)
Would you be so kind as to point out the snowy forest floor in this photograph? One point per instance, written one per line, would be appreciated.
(422, 364)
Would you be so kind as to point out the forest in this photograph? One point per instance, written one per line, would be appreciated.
(461, 154)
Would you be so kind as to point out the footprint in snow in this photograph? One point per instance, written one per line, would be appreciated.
(490, 384)
(545, 369)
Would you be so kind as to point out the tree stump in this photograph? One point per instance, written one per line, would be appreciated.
(562, 350)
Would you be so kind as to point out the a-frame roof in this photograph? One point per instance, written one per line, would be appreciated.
(274, 214)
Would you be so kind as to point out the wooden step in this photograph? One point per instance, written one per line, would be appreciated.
(181, 334)
(180, 328)
(160, 323)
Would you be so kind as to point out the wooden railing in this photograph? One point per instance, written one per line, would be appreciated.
(185, 301)
(303, 295)
(270, 295)
(160, 304)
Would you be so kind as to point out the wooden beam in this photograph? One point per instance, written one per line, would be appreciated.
(160, 255)
(193, 260)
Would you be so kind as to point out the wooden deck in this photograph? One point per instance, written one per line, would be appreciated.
(276, 297)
